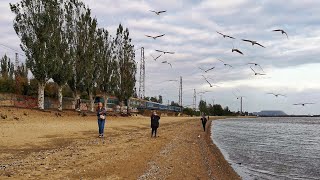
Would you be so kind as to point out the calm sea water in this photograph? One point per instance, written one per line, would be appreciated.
(270, 148)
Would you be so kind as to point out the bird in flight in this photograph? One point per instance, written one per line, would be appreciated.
(157, 12)
(256, 64)
(166, 62)
(202, 69)
(236, 50)
(209, 69)
(225, 64)
(172, 80)
(155, 37)
(255, 73)
(282, 32)
(207, 81)
(302, 104)
(165, 52)
(156, 57)
(253, 42)
(277, 95)
(224, 35)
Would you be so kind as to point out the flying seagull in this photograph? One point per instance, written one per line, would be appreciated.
(302, 104)
(253, 42)
(202, 69)
(166, 62)
(213, 80)
(155, 37)
(255, 64)
(282, 32)
(156, 57)
(255, 73)
(207, 80)
(236, 50)
(171, 80)
(157, 12)
(225, 64)
(165, 52)
(224, 35)
(209, 69)
(277, 95)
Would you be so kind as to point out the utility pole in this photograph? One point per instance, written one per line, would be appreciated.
(194, 100)
(241, 105)
(142, 79)
(17, 61)
(180, 92)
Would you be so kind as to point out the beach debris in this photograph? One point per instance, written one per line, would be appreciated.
(199, 136)
(83, 114)
(58, 114)
(3, 116)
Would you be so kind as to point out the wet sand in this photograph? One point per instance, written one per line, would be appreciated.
(42, 145)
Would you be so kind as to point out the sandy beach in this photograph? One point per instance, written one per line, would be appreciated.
(44, 145)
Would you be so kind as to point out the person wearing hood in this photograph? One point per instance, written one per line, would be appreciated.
(204, 122)
(154, 123)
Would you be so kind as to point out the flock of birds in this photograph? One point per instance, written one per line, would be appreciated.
(255, 67)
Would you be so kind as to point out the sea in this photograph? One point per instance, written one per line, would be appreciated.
(270, 148)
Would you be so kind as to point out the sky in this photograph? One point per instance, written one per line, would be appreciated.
(291, 65)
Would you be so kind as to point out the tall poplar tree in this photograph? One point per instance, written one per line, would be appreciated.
(34, 24)
(126, 66)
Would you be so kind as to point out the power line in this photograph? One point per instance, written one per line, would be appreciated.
(19, 52)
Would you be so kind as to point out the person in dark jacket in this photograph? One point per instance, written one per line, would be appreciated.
(102, 115)
(154, 124)
(204, 122)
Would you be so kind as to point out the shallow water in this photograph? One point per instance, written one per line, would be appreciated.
(270, 148)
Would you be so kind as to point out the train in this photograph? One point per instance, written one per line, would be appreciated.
(137, 105)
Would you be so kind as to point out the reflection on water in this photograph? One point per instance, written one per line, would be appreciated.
(271, 148)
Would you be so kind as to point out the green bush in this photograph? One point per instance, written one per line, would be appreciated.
(7, 85)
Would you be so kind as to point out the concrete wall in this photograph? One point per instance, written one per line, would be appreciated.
(32, 102)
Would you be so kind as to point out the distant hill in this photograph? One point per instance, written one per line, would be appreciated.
(270, 113)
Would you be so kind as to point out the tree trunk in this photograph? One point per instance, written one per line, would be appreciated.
(121, 106)
(128, 106)
(77, 101)
(105, 97)
(41, 95)
(91, 102)
(60, 96)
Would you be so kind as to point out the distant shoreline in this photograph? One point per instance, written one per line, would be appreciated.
(293, 116)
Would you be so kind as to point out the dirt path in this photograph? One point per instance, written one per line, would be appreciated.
(41, 145)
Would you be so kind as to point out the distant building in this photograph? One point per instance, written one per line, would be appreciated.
(270, 113)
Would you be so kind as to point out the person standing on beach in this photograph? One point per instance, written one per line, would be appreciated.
(154, 123)
(102, 114)
(204, 122)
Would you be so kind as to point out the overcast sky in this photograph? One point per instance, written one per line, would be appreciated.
(291, 65)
